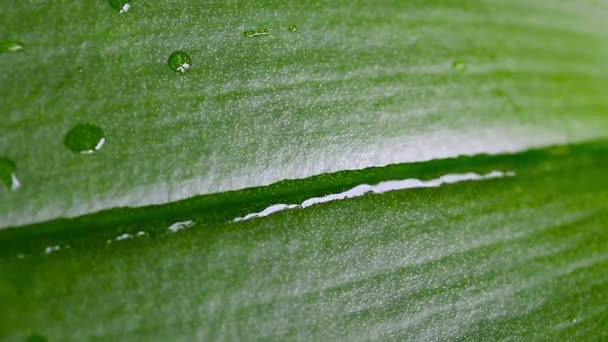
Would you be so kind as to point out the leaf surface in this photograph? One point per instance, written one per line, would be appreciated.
(358, 84)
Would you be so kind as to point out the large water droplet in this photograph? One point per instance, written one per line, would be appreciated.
(36, 338)
(84, 138)
(256, 33)
(8, 175)
(180, 61)
(11, 46)
(292, 28)
(122, 6)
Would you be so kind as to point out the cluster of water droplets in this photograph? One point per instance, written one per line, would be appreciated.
(86, 138)
(171, 229)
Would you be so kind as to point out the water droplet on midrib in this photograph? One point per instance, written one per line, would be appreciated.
(11, 46)
(177, 226)
(179, 61)
(84, 139)
(8, 175)
(52, 249)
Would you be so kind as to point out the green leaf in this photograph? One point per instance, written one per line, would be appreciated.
(520, 257)
(358, 84)
(136, 191)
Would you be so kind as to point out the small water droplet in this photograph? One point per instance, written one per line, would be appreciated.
(256, 33)
(124, 236)
(80, 69)
(85, 139)
(177, 226)
(8, 175)
(122, 6)
(36, 338)
(458, 65)
(11, 46)
(52, 249)
(180, 61)
(292, 28)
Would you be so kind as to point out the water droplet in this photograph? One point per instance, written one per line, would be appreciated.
(36, 338)
(458, 65)
(256, 33)
(52, 249)
(122, 6)
(84, 138)
(80, 69)
(11, 46)
(8, 175)
(292, 28)
(177, 226)
(180, 61)
(124, 236)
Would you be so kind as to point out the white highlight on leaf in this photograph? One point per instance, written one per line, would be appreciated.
(125, 8)
(127, 236)
(124, 236)
(270, 210)
(15, 48)
(177, 226)
(380, 188)
(15, 183)
(52, 249)
(182, 68)
(99, 145)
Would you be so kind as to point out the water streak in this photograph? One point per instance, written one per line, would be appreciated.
(127, 236)
(177, 226)
(380, 188)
